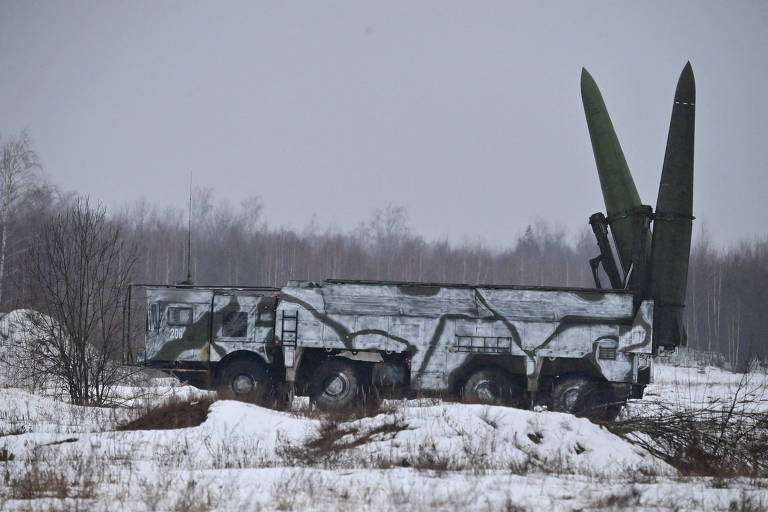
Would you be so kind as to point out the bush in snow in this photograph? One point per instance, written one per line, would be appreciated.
(79, 267)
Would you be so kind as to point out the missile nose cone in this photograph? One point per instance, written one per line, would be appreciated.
(590, 96)
(587, 82)
(685, 92)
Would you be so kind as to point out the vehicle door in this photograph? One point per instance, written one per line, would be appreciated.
(240, 322)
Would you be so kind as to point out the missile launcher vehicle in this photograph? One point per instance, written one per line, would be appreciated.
(351, 343)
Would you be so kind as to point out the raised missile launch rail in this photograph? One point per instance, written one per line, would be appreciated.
(349, 343)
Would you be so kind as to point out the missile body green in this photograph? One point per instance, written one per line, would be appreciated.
(673, 219)
(619, 191)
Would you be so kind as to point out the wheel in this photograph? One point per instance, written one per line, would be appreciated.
(494, 387)
(335, 386)
(247, 381)
(581, 396)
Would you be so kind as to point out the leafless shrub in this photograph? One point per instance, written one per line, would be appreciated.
(333, 440)
(79, 266)
(722, 440)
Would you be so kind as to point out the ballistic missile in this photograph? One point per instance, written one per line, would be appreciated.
(671, 243)
(619, 192)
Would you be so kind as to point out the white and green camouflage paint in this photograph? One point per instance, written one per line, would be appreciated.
(440, 326)
(204, 338)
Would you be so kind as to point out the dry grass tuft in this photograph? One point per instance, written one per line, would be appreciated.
(49, 483)
(5, 455)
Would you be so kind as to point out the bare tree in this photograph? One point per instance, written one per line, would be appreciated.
(17, 171)
(79, 266)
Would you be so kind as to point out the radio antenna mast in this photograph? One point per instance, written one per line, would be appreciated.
(189, 234)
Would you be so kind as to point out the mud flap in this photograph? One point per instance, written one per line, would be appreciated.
(533, 367)
(636, 392)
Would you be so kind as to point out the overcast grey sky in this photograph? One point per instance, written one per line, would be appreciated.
(466, 113)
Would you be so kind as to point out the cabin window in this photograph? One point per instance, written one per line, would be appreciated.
(267, 315)
(234, 324)
(179, 316)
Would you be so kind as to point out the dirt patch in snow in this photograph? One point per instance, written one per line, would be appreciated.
(172, 414)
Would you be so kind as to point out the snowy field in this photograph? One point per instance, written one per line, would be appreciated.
(416, 455)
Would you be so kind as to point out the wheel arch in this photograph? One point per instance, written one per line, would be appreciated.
(313, 358)
(514, 366)
(239, 355)
(562, 368)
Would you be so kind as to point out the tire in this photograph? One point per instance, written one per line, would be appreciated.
(335, 386)
(583, 397)
(493, 387)
(247, 381)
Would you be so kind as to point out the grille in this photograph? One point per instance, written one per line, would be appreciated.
(483, 344)
(607, 353)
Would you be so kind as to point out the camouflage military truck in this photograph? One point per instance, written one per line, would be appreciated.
(344, 343)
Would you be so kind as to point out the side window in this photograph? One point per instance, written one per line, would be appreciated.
(266, 311)
(179, 316)
(267, 315)
(234, 324)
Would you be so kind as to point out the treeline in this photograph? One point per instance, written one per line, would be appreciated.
(238, 246)
(727, 292)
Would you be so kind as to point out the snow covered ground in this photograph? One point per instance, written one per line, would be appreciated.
(417, 454)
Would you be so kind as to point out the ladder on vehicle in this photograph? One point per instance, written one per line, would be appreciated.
(289, 327)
